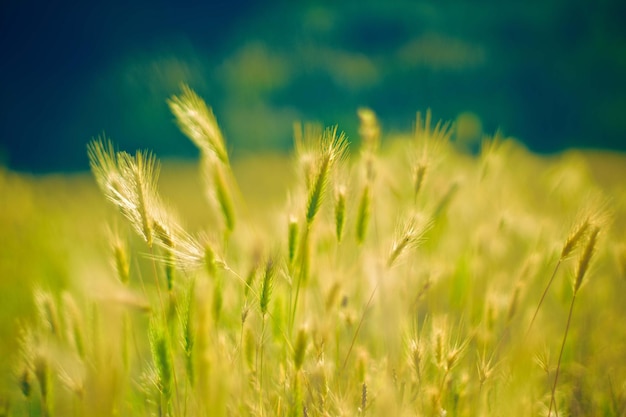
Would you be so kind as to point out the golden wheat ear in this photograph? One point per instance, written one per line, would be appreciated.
(129, 182)
(593, 217)
(573, 240)
(409, 234)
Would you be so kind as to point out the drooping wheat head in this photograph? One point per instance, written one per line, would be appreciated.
(197, 121)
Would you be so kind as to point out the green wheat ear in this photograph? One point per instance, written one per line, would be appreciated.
(75, 327)
(197, 121)
(363, 214)
(48, 312)
(333, 148)
(121, 256)
(292, 239)
(188, 330)
(222, 192)
(164, 235)
(300, 348)
(340, 211)
(585, 258)
(162, 359)
(267, 285)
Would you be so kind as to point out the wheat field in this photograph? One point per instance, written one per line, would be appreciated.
(394, 274)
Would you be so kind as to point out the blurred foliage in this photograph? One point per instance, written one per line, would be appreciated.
(551, 73)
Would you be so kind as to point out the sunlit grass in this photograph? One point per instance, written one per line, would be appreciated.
(269, 297)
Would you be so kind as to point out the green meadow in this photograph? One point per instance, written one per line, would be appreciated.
(430, 273)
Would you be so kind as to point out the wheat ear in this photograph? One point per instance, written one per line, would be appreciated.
(572, 241)
(197, 121)
(583, 266)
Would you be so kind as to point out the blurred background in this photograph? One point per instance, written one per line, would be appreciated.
(550, 73)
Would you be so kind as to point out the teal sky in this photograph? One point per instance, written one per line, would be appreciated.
(550, 75)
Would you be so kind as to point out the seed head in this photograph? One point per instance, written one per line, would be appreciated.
(292, 238)
(441, 132)
(197, 121)
(129, 182)
(267, 285)
(363, 214)
(340, 211)
(585, 258)
(410, 234)
(369, 129)
(575, 237)
(161, 356)
(332, 150)
(300, 348)
(223, 195)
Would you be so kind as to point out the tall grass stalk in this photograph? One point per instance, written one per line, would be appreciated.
(572, 241)
(163, 365)
(267, 285)
(301, 274)
(292, 239)
(222, 192)
(340, 211)
(121, 257)
(583, 266)
(332, 150)
(363, 214)
(188, 331)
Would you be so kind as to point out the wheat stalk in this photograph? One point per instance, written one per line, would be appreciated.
(581, 270)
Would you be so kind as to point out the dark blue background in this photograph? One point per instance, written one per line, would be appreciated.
(553, 74)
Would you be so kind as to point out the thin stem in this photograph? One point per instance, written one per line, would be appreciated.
(543, 296)
(358, 327)
(158, 286)
(442, 385)
(168, 329)
(304, 249)
(558, 366)
(261, 349)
